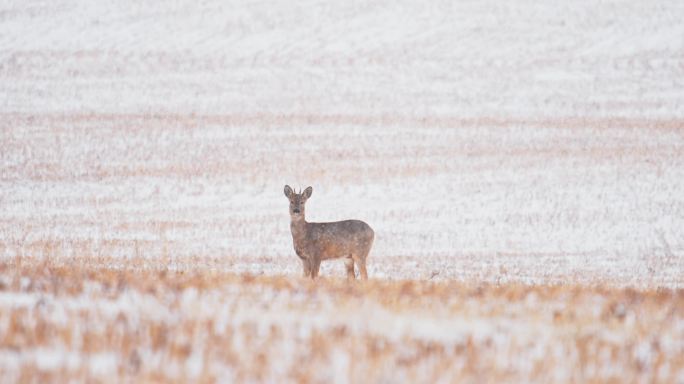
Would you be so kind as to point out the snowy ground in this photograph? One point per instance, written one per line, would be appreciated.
(591, 201)
(527, 58)
(75, 322)
(487, 141)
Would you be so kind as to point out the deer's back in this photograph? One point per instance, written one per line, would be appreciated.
(340, 238)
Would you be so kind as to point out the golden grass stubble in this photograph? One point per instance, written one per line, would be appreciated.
(576, 316)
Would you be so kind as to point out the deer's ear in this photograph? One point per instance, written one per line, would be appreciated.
(288, 191)
(307, 192)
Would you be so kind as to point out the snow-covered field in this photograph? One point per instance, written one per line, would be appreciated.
(76, 322)
(566, 201)
(486, 142)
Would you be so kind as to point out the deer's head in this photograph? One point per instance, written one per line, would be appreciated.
(297, 200)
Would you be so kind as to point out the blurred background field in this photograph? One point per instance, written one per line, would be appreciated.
(530, 152)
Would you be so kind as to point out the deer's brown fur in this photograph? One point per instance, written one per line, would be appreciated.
(314, 242)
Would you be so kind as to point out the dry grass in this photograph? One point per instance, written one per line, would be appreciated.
(80, 321)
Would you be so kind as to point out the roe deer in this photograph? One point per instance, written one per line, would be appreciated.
(313, 242)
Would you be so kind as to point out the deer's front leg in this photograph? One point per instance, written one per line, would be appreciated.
(315, 266)
(306, 267)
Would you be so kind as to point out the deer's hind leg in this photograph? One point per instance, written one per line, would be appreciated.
(349, 263)
(360, 261)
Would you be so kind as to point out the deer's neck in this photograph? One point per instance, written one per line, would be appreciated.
(298, 227)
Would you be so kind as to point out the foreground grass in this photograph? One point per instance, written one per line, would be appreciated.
(86, 322)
